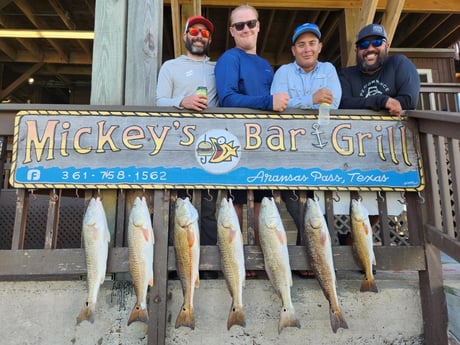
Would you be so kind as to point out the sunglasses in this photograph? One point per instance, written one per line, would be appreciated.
(195, 31)
(376, 42)
(240, 25)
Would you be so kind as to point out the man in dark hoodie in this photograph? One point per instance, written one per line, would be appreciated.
(379, 81)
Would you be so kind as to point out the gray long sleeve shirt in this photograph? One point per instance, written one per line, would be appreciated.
(180, 77)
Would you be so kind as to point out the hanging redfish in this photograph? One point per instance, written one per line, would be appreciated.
(319, 248)
(187, 248)
(273, 242)
(96, 238)
(230, 242)
(140, 248)
(363, 248)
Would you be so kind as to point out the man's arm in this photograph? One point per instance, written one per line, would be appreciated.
(407, 83)
(228, 89)
(164, 90)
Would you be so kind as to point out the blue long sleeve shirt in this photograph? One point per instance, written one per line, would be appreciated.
(398, 79)
(301, 86)
(243, 80)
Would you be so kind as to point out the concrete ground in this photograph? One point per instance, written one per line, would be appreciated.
(44, 312)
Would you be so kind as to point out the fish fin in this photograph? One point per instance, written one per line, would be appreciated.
(323, 237)
(367, 228)
(146, 233)
(231, 236)
(197, 281)
(281, 237)
(87, 313)
(190, 238)
(236, 317)
(287, 319)
(337, 320)
(185, 318)
(138, 314)
(369, 285)
(151, 281)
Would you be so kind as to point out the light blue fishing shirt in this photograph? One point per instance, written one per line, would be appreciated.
(301, 86)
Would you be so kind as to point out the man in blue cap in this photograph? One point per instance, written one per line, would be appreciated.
(308, 81)
(379, 81)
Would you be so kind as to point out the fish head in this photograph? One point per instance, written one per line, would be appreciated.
(313, 216)
(269, 213)
(358, 212)
(185, 212)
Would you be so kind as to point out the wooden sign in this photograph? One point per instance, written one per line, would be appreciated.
(109, 149)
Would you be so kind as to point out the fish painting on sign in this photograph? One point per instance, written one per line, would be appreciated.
(363, 248)
(273, 242)
(187, 249)
(319, 247)
(140, 248)
(96, 238)
(230, 242)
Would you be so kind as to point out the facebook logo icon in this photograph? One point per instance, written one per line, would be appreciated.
(33, 175)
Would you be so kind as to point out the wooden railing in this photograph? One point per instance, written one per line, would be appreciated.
(439, 97)
(433, 218)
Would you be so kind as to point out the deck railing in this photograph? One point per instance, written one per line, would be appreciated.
(433, 218)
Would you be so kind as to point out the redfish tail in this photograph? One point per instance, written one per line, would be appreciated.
(369, 285)
(87, 313)
(337, 320)
(287, 319)
(236, 317)
(138, 314)
(185, 317)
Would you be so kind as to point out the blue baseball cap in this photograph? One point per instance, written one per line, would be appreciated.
(371, 30)
(307, 27)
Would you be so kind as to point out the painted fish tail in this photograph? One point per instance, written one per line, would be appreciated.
(87, 313)
(369, 285)
(138, 314)
(185, 317)
(287, 319)
(337, 320)
(236, 317)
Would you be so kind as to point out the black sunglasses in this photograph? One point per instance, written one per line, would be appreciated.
(240, 25)
(376, 42)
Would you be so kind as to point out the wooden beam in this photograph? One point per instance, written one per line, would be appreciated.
(18, 82)
(391, 17)
(176, 27)
(445, 6)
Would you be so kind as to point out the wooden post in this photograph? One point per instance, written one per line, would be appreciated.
(108, 73)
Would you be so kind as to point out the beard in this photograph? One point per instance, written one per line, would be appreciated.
(366, 68)
(200, 51)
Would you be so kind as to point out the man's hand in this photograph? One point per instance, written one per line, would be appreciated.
(323, 95)
(280, 101)
(195, 102)
(393, 106)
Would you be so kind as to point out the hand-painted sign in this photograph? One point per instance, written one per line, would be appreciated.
(101, 149)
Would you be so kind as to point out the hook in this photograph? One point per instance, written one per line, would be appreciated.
(55, 197)
(380, 196)
(209, 198)
(316, 197)
(403, 201)
(337, 197)
(230, 195)
(421, 198)
(76, 193)
(31, 192)
(189, 195)
(295, 196)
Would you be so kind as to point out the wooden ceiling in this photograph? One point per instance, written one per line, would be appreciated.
(61, 67)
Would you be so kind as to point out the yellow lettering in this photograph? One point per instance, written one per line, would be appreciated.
(292, 134)
(187, 131)
(133, 133)
(158, 140)
(76, 140)
(361, 137)
(275, 142)
(105, 138)
(347, 139)
(253, 140)
(33, 140)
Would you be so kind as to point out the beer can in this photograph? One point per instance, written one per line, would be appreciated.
(202, 90)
